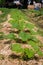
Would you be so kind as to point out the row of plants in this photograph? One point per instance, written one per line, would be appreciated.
(25, 33)
(24, 36)
(26, 53)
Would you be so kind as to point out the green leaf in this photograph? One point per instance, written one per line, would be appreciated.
(29, 53)
(18, 24)
(33, 38)
(17, 48)
(30, 26)
(10, 36)
(14, 23)
(24, 36)
(36, 47)
(40, 53)
(21, 25)
(33, 32)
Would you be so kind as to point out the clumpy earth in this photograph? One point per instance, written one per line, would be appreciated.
(7, 57)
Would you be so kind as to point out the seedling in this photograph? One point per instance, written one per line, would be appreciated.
(10, 36)
(28, 54)
(17, 48)
(24, 36)
(36, 48)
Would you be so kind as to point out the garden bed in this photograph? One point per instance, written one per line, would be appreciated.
(19, 39)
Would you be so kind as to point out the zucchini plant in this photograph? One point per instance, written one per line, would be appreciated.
(24, 36)
(36, 48)
(16, 47)
(20, 25)
(10, 36)
(25, 52)
(28, 54)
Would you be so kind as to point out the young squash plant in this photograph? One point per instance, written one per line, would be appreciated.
(14, 23)
(25, 52)
(28, 54)
(20, 25)
(24, 36)
(10, 36)
(36, 47)
(34, 39)
(30, 25)
(17, 48)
